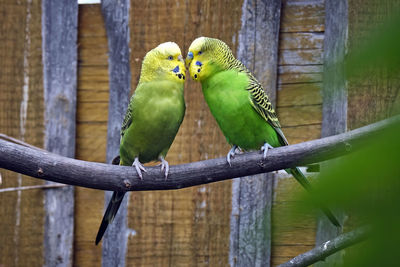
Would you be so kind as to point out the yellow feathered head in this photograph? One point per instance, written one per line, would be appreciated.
(207, 56)
(163, 62)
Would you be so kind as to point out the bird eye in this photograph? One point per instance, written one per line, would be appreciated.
(170, 58)
(200, 52)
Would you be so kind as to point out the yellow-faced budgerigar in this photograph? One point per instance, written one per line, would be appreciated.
(154, 114)
(238, 102)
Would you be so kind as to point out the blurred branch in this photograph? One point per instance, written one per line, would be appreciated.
(17, 141)
(52, 167)
(30, 187)
(328, 248)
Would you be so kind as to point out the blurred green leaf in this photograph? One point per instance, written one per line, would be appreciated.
(366, 183)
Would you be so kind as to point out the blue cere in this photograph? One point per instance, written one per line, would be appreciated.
(190, 55)
(198, 63)
(176, 70)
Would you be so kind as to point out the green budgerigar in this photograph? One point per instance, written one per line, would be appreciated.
(154, 114)
(238, 102)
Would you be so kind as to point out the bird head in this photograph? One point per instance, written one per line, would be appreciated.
(164, 62)
(198, 58)
(206, 56)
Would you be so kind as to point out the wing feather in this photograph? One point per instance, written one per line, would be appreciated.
(128, 117)
(258, 98)
(262, 104)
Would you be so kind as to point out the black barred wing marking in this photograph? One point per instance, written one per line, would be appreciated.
(128, 118)
(260, 101)
(258, 98)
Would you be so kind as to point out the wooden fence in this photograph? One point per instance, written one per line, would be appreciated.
(188, 227)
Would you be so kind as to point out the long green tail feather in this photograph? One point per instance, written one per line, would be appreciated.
(299, 176)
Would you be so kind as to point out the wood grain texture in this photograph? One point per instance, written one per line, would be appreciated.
(374, 95)
(91, 131)
(299, 108)
(299, 133)
(292, 230)
(21, 116)
(190, 226)
(299, 95)
(250, 237)
(116, 19)
(334, 89)
(300, 115)
(334, 111)
(304, 40)
(59, 27)
(301, 75)
(303, 16)
(300, 68)
(300, 57)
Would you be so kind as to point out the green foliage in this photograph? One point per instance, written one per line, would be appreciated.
(366, 183)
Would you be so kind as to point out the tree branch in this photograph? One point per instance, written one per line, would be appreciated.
(52, 167)
(328, 248)
(30, 187)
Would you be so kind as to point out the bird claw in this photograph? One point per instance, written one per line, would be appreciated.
(265, 148)
(231, 154)
(164, 164)
(139, 167)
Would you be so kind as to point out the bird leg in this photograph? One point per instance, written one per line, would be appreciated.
(231, 154)
(265, 148)
(164, 164)
(139, 167)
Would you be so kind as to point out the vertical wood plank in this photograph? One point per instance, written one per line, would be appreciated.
(59, 22)
(334, 91)
(250, 237)
(334, 106)
(299, 108)
(116, 18)
(21, 116)
(91, 128)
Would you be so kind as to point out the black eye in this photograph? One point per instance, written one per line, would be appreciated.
(170, 58)
(200, 52)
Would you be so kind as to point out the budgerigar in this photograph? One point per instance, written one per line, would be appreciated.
(154, 114)
(238, 102)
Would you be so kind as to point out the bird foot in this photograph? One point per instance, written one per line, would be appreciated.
(139, 167)
(231, 154)
(164, 164)
(265, 148)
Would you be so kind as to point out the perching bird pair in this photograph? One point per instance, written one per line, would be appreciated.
(236, 99)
